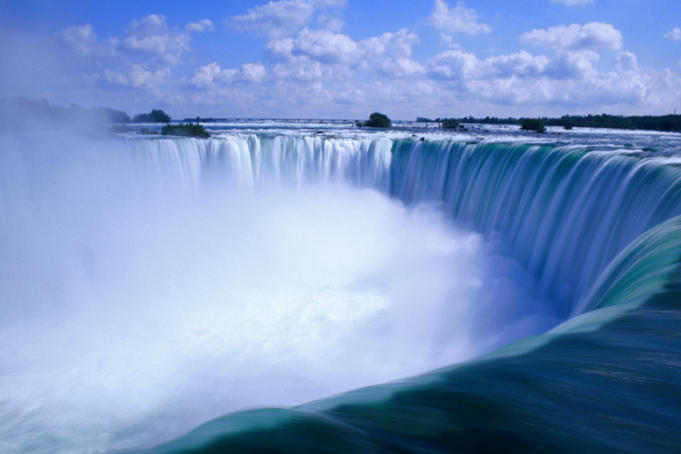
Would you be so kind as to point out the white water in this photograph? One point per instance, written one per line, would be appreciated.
(141, 298)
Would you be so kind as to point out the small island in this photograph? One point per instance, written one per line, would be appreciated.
(533, 124)
(185, 130)
(376, 120)
(155, 116)
(451, 123)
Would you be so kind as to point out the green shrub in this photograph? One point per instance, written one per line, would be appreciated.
(155, 116)
(185, 130)
(377, 120)
(450, 123)
(533, 124)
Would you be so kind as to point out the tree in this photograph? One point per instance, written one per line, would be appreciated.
(155, 116)
(185, 130)
(533, 124)
(377, 120)
(450, 123)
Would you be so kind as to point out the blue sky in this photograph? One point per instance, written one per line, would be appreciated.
(346, 58)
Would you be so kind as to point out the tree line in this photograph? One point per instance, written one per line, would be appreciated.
(670, 122)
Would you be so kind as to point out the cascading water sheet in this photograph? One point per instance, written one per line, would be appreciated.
(251, 269)
(203, 277)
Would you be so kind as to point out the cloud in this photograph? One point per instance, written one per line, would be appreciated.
(573, 2)
(280, 49)
(325, 46)
(400, 67)
(454, 65)
(207, 75)
(575, 64)
(200, 26)
(519, 64)
(152, 34)
(299, 69)
(311, 66)
(253, 72)
(456, 19)
(626, 61)
(281, 18)
(397, 44)
(459, 65)
(674, 35)
(80, 38)
(332, 23)
(137, 76)
(211, 75)
(564, 78)
(594, 35)
(389, 54)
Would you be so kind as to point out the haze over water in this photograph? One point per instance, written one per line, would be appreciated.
(139, 302)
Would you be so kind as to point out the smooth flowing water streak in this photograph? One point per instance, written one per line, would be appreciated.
(150, 285)
(202, 276)
(606, 380)
(543, 199)
(565, 212)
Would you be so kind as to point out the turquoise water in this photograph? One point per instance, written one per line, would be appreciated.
(591, 225)
(593, 221)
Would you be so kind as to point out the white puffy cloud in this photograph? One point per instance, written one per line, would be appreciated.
(449, 40)
(211, 75)
(299, 69)
(280, 49)
(325, 46)
(457, 64)
(456, 19)
(454, 64)
(575, 64)
(81, 38)
(400, 67)
(253, 72)
(397, 44)
(332, 23)
(152, 34)
(594, 35)
(389, 53)
(314, 68)
(626, 61)
(200, 26)
(283, 17)
(564, 78)
(207, 75)
(452, 82)
(674, 34)
(602, 89)
(136, 76)
(520, 64)
(573, 2)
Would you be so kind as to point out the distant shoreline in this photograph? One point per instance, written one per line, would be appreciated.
(15, 112)
(665, 123)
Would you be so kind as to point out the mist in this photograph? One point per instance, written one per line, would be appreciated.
(136, 306)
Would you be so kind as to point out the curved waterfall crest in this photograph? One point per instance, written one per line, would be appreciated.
(564, 211)
(193, 274)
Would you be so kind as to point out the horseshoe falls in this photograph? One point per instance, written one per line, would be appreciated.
(304, 287)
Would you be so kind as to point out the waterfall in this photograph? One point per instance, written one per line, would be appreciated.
(599, 228)
(564, 211)
(195, 273)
